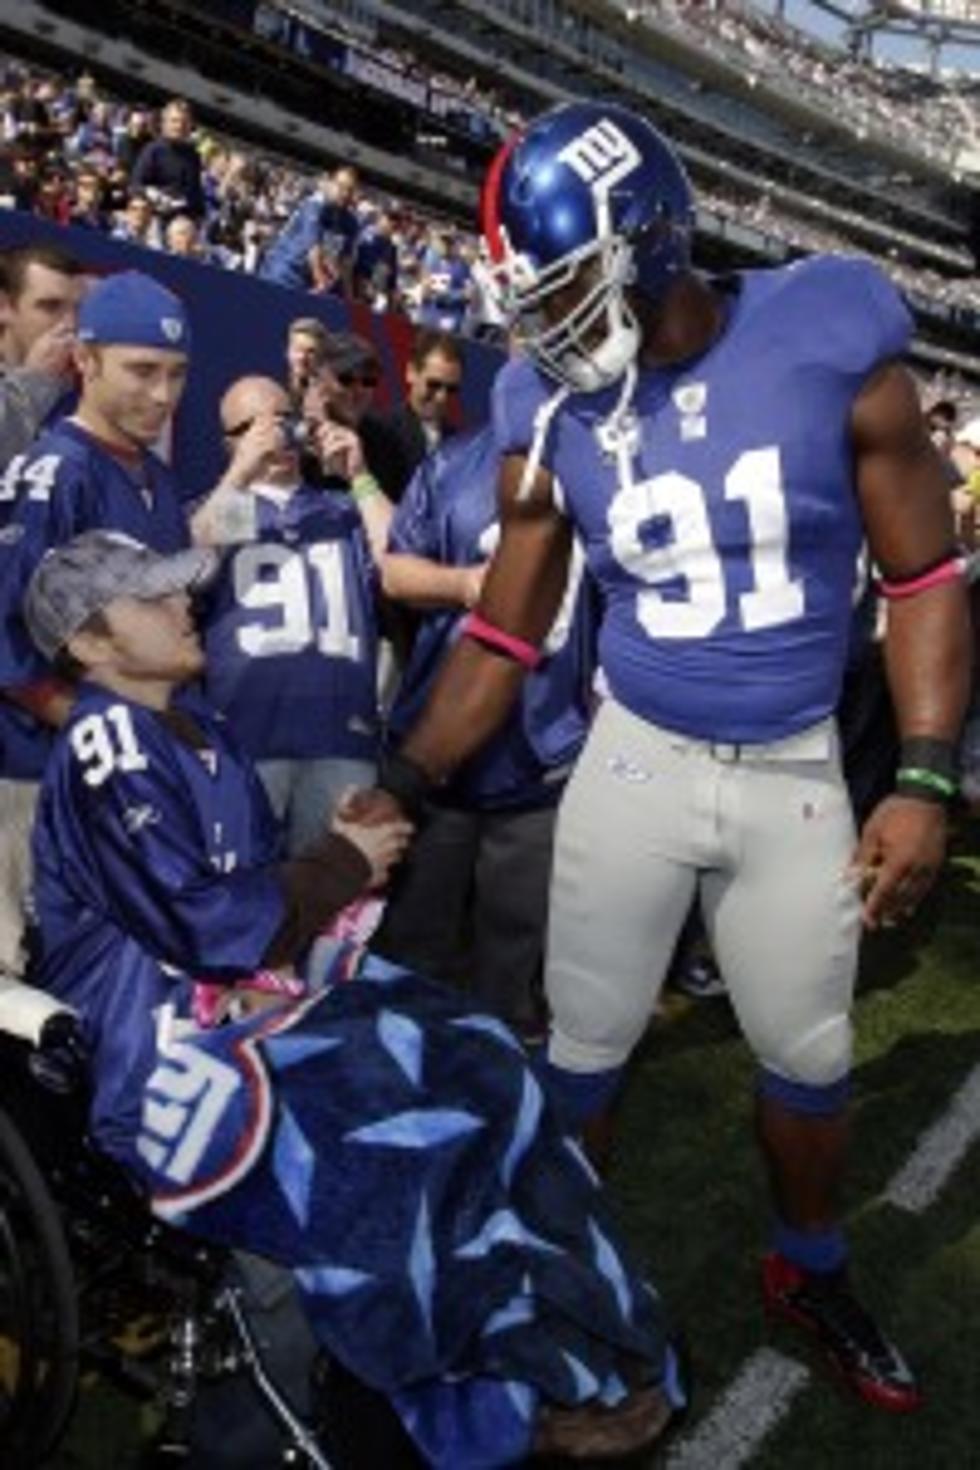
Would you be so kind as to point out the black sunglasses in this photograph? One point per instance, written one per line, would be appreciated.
(439, 385)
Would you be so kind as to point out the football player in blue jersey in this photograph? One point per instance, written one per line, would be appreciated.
(290, 624)
(383, 1141)
(470, 905)
(723, 446)
(314, 250)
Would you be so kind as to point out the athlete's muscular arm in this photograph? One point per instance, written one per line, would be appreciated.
(521, 594)
(906, 512)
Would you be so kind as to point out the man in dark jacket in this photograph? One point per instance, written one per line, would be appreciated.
(169, 169)
(395, 443)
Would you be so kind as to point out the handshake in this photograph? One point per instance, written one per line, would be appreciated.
(374, 822)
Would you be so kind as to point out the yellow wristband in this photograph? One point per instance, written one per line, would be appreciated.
(364, 485)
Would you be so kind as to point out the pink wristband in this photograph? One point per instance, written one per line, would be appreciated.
(518, 649)
(947, 571)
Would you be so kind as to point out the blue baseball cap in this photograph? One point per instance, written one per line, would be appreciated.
(134, 310)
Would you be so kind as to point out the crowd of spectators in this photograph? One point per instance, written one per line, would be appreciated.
(76, 156)
(73, 154)
(938, 118)
(767, 215)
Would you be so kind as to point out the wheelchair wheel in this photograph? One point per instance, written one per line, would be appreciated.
(38, 1310)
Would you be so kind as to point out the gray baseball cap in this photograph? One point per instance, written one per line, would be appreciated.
(73, 581)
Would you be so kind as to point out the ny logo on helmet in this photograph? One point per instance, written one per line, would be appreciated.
(601, 156)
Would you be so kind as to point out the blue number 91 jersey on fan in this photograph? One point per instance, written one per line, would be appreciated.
(291, 632)
(718, 509)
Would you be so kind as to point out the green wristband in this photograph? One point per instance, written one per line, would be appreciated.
(364, 486)
(930, 781)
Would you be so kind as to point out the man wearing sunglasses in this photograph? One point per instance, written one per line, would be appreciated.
(349, 377)
(396, 443)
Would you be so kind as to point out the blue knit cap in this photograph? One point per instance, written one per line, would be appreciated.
(133, 309)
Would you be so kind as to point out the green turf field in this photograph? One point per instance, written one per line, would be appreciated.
(692, 1197)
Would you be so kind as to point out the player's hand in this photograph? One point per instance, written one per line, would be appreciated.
(382, 843)
(369, 805)
(898, 857)
(338, 450)
(52, 353)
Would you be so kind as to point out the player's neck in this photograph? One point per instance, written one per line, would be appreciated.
(152, 693)
(690, 321)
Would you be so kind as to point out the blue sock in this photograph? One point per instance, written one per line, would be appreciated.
(808, 1099)
(578, 1096)
(811, 1250)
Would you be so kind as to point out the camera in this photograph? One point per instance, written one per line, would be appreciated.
(295, 432)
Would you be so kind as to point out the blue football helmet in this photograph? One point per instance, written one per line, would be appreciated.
(590, 194)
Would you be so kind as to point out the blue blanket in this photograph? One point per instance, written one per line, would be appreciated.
(394, 1148)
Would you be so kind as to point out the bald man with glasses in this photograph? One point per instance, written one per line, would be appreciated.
(290, 626)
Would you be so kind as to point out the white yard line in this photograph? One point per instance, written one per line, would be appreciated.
(759, 1397)
(752, 1405)
(939, 1150)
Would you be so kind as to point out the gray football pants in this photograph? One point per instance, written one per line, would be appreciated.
(762, 834)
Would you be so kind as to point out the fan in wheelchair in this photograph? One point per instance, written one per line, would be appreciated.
(89, 1280)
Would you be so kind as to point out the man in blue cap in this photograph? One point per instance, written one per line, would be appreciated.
(96, 470)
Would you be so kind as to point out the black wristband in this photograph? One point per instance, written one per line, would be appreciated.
(406, 781)
(927, 769)
(927, 753)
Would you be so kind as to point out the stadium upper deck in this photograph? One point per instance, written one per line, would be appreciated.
(420, 93)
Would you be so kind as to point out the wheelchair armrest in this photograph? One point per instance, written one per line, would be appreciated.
(58, 1057)
(25, 1010)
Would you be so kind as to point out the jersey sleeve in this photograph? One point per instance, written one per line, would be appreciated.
(519, 393)
(48, 492)
(307, 226)
(143, 832)
(414, 529)
(855, 315)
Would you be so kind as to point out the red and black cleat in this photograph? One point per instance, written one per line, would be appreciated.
(825, 1306)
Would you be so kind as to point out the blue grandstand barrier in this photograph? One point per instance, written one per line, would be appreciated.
(239, 326)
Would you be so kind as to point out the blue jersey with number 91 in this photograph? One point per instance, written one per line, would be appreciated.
(291, 632)
(718, 510)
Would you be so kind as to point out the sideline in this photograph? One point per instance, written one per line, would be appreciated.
(750, 1407)
(940, 1149)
